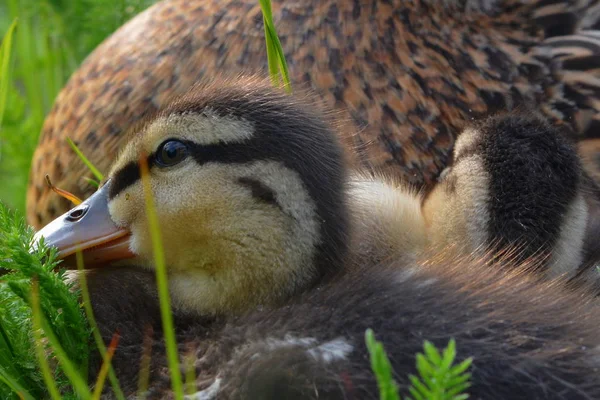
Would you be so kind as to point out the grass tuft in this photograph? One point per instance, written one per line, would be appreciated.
(161, 281)
(65, 328)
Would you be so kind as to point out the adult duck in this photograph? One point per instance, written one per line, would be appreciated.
(406, 74)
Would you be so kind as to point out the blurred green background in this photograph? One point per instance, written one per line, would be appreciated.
(51, 39)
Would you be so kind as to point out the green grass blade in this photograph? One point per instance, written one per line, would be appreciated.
(5, 341)
(5, 53)
(106, 365)
(87, 305)
(417, 389)
(161, 280)
(14, 385)
(275, 56)
(92, 182)
(25, 45)
(78, 382)
(271, 55)
(458, 389)
(57, 305)
(190, 375)
(85, 160)
(448, 356)
(283, 69)
(461, 397)
(424, 366)
(144, 374)
(459, 380)
(39, 347)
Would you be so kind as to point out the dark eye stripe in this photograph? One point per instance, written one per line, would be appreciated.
(232, 153)
(126, 176)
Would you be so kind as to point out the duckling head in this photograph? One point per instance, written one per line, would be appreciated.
(248, 185)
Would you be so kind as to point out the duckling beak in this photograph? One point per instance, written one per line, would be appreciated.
(88, 228)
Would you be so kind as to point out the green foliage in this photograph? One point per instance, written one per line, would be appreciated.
(438, 378)
(380, 364)
(52, 38)
(162, 284)
(5, 53)
(87, 162)
(60, 314)
(275, 57)
(89, 22)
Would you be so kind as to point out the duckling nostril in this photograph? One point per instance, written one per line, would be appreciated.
(77, 213)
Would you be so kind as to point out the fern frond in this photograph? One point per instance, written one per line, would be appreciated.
(439, 378)
(64, 322)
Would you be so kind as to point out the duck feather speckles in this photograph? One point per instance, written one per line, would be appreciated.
(406, 74)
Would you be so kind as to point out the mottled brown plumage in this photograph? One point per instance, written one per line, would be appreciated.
(406, 74)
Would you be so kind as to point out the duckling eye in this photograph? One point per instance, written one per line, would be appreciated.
(171, 152)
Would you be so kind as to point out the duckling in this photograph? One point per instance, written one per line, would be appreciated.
(405, 75)
(518, 182)
(279, 256)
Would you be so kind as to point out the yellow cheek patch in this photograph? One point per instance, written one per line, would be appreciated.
(128, 206)
(239, 248)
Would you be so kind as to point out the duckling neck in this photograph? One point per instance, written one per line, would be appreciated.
(225, 294)
(387, 221)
